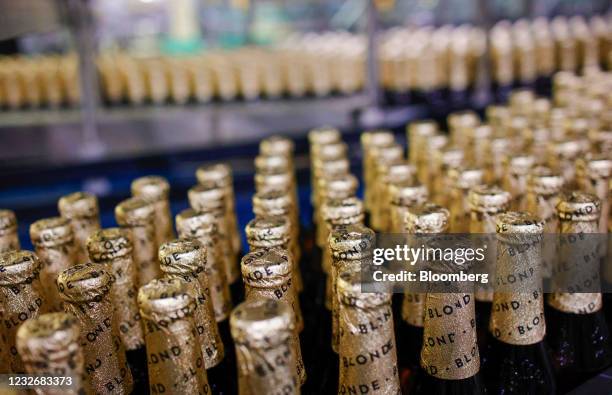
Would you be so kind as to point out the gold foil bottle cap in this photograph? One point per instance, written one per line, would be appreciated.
(271, 164)
(274, 262)
(451, 157)
(165, 300)
(497, 115)
(108, 244)
(262, 323)
(218, 173)
(48, 338)
(481, 132)
(488, 199)
(135, 211)
(273, 181)
(350, 294)
(578, 206)
(78, 205)
(400, 171)
(206, 196)
(407, 193)
(512, 224)
(152, 188)
(8, 222)
(331, 151)
(351, 242)
(267, 231)
(567, 150)
(182, 256)
(521, 101)
(271, 202)
(84, 283)
(520, 164)
(325, 135)
(595, 167)
(195, 224)
(276, 145)
(544, 181)
(423, 128)
(377, 138)
(388, 154)
(466, 177)
(427, 218)
(339, 186)
(343, 211)
(463, 119)
(17, 267)
(51, 232)
(337, 166)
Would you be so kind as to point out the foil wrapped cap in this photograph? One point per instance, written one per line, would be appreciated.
(517, 227)
(262, 323)
(451, 157)
(8, 222)
(84, 283)
(342, 211)
(400, 171)
(337, 166)
(338, 186)
(276, 145)
(165, 301)
(324, 135)
(18, 267)
(273, 181)
(152, 188)
(206, 196)
(388, 154)
(272, 202)
(423, 128)
(520, 164)
(481, 132)
(544, 181)
(51, 232)
(218, 173)
(407, 193)
(351, 242)
(47, 338)
(135, 211)
(78, 205)
(108, 244)
(267, 231)
(182, 256)
(595, 167)
(377, 138)
(266, 268)
(466, 177)
(578, 206)
(197, 224)
(350, 294)
(567, 150)
(489, 199)
(426, 218)
(521, 100)
(463, 119)
(497, 114)
(272, 164)
(331, 151)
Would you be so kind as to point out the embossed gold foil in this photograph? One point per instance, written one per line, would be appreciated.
(486, 202)
(450, 350)
(382, 158)
(593, 174)
(402, 195)
(543, 187)
(221, 174)
(367, 348)
(462, 180)
(113, 249)
(54, 244)
(391, 174)
(267, 275)
(338, 186)
(202, 226)
(351, 248)
(156, 190)
(447, 158)
(515, 178)
(22, 298)
(49, 345)
(81, 209)
(9, 239)
(427, 219)
(209, 197)
(518, 317)
(263, 332)
(578, 212)
(370, 141)
(85, 291)
(174, 358)
(186, 260)
(137, 216)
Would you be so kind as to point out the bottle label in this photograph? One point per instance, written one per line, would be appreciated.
(450, 351)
